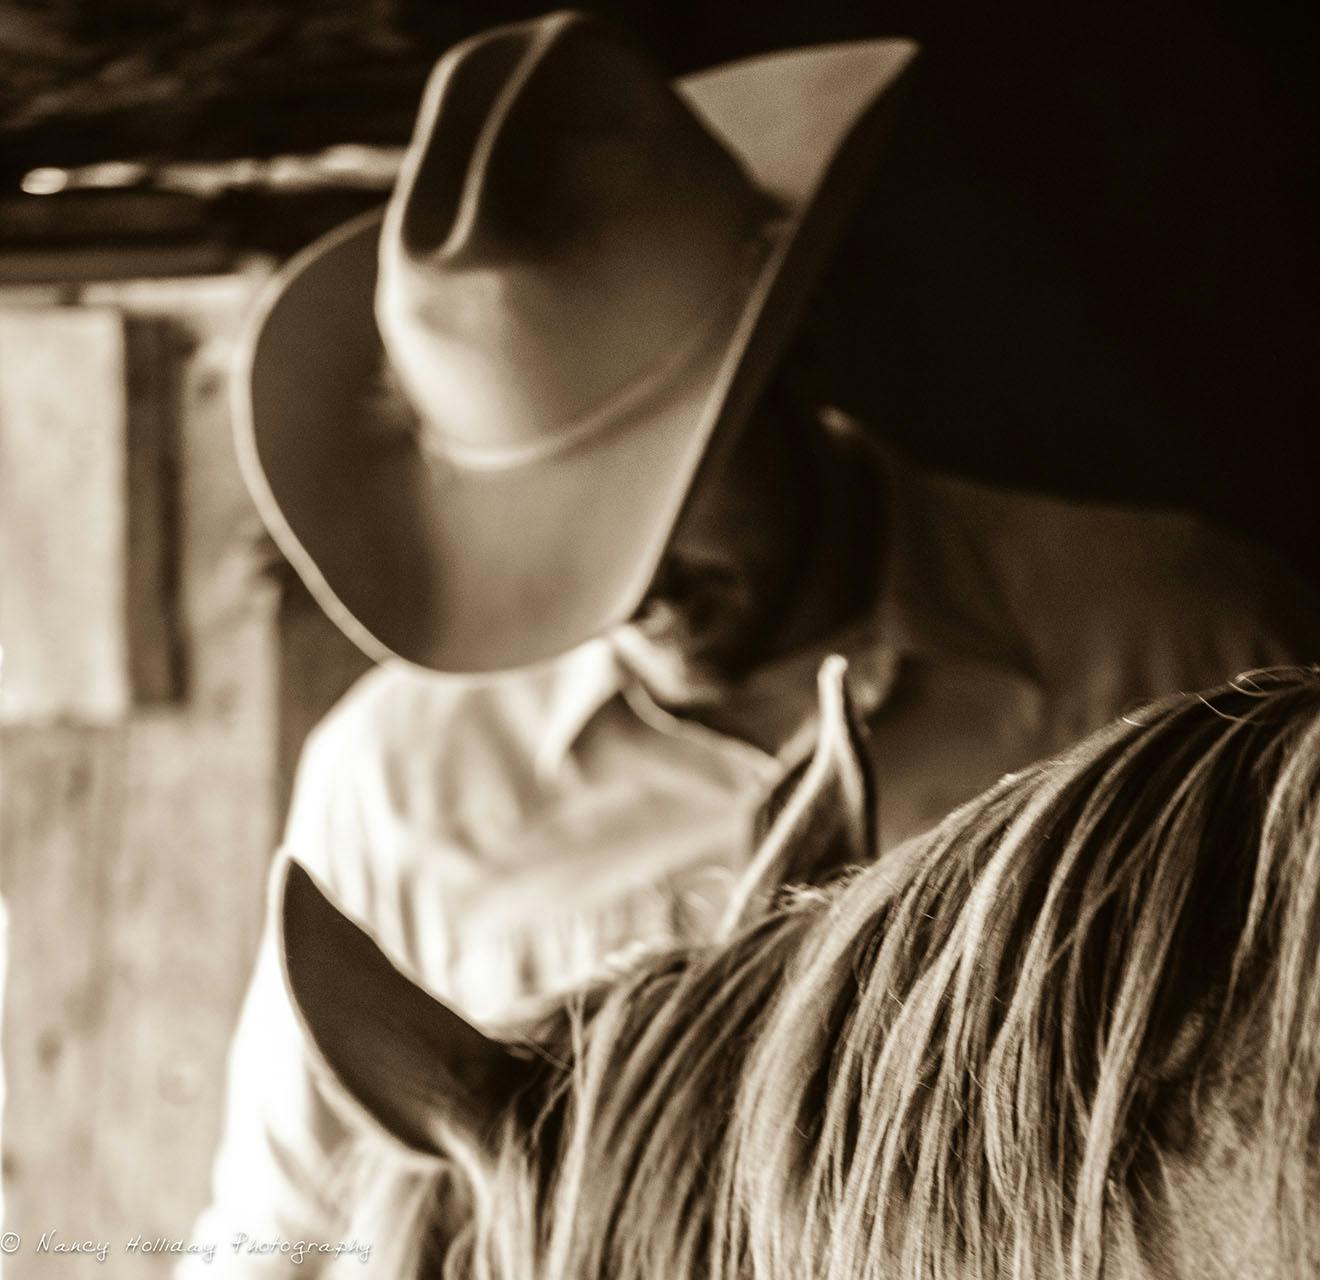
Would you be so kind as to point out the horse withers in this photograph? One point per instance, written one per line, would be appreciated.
(1074, 1031)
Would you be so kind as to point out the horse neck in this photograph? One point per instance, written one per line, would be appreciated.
(1218, 1218)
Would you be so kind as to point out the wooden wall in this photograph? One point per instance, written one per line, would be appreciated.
(134, 852)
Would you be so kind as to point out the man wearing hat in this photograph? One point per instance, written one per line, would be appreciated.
(600, 547)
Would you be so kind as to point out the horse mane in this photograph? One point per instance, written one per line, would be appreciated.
(1082, 973)
(999, 1052)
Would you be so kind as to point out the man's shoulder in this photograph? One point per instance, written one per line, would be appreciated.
(405, 753)
(387, 705)
(1119, 552)
(1088, 582)
(397, 707)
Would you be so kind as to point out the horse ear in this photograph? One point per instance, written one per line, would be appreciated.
(412, 1063)
(820, 817)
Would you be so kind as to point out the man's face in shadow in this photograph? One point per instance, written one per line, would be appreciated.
(731, 573)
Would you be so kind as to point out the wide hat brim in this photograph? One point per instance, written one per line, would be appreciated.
(476, 569)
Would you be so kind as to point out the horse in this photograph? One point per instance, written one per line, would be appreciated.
(1072, 1031)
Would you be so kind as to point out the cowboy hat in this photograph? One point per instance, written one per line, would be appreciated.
(582, 280)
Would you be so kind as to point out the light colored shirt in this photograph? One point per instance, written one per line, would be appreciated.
(502, 837)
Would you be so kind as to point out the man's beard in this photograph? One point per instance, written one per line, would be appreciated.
(691, 649)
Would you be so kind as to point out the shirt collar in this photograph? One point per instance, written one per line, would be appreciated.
(586, 679)
(937, 599)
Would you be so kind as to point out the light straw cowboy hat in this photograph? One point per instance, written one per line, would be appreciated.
(583, 279)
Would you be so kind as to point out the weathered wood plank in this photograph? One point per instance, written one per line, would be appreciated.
(84, 606)
(151, 524)
(58, 804)
(134, 861)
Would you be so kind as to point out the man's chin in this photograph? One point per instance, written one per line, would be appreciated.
(677, 676)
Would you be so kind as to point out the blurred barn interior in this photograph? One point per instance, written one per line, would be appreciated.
(1087, 266)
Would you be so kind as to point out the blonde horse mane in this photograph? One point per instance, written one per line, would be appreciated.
(1009, 1049)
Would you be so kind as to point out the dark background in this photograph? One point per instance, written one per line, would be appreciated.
(1088, 265)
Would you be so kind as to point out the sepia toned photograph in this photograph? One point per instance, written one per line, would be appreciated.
(659, 641)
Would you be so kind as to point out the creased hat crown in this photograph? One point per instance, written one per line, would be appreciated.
(564, 231)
